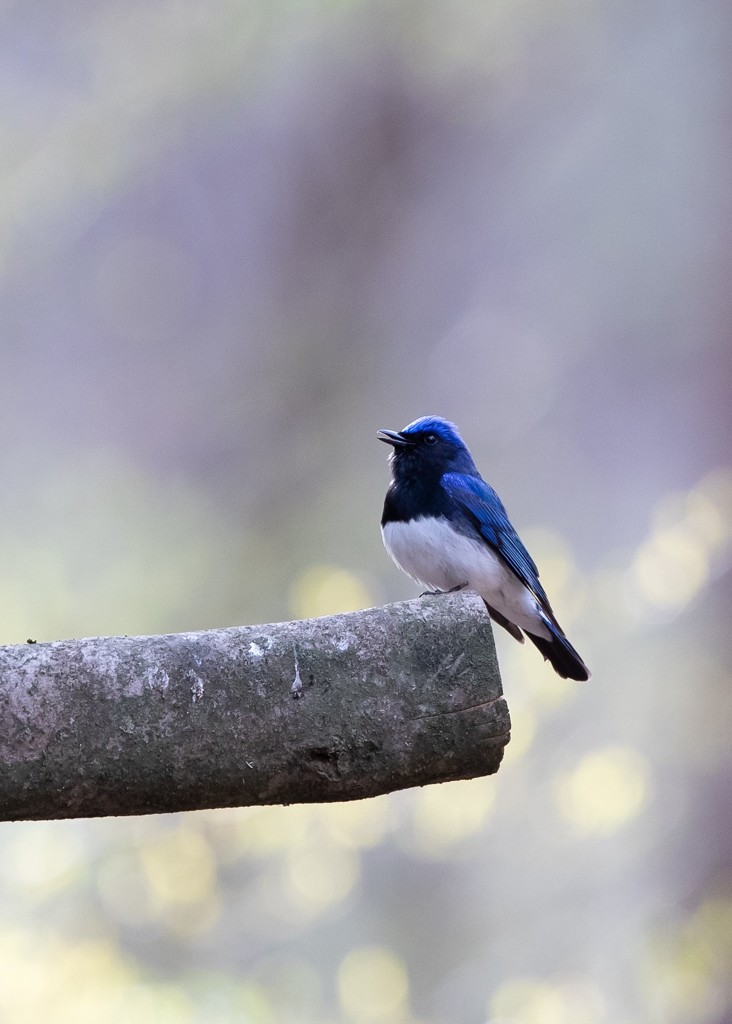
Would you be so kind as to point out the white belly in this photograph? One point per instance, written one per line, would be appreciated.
(438, 557)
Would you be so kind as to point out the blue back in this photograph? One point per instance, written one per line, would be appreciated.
(485, 512)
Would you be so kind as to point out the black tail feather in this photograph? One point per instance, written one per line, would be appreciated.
(563, 658)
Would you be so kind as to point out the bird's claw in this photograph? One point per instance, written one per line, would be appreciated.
(452, 590)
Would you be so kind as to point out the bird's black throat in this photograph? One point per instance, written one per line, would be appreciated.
(414, 497)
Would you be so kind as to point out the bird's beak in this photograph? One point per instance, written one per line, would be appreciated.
(395, 439)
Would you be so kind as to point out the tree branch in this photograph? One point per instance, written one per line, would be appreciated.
(335, 708)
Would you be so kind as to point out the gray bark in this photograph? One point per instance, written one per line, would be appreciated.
(336, 708)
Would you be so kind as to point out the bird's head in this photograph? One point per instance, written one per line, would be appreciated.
(430, 445)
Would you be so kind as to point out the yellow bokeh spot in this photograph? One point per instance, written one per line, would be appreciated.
(607, 789)
(327, 590)
(707, 521)
(688, 966)
(530, 1001)
(179, 868)
(447, 814)
(262, 831)
(671, 567)
(41, 857)
(52, 978)
(373, 985)
(319, 877)
(690, 531)
(358, 823)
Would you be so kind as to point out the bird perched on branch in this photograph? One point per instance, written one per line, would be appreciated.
(446, 528)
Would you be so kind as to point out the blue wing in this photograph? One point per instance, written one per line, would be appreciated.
(482, 507)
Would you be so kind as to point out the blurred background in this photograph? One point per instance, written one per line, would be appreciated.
(236, 239)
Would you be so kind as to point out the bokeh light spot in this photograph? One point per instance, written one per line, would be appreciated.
(690, 534)
(261, 831)
(373, 984)
(327, 590)
(180, 868)
(445, 815)
(321, 876)
(687, 965)
(530, 1001)
(607, 789)
(671, 568)
(43, 859)
(716, 487)
(357, 823)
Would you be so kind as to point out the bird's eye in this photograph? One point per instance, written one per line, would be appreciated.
(430, 439)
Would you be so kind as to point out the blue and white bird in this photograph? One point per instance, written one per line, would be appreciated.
(447, 529)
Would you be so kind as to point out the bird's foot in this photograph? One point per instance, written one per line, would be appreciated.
(452, 590)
